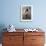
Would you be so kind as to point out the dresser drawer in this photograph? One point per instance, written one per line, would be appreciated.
(13, 33)
(12, 39)
(37, 39)
(27, 41)
(20, 44)
(34, 33)
(8, 45)
(37, 44)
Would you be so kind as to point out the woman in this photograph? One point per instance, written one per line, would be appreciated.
(27, 14)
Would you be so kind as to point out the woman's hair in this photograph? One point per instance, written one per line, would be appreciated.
(26, 9)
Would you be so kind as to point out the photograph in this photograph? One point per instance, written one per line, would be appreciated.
(26, 13)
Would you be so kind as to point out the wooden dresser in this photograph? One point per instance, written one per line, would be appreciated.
(23, 39)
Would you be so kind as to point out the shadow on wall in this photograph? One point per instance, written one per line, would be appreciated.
(2, 26)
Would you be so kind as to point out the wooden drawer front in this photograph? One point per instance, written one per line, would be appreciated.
(13, 33)
(8, 44)
(12, 39)
(37, 45)
(34, 33)
(27, 41)
(37, 39)
(12, 44)
(5, 39)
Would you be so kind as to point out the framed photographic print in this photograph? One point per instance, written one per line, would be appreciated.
(26, 13)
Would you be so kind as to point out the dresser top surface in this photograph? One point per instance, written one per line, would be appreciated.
(22, 30)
